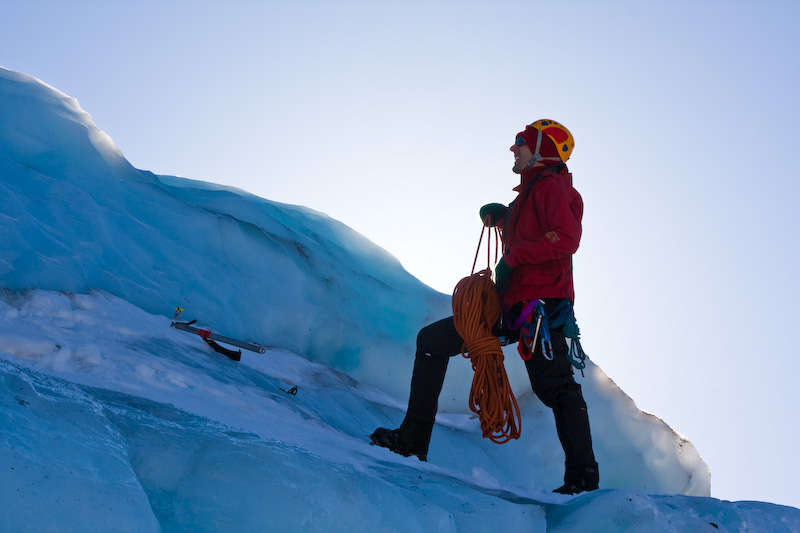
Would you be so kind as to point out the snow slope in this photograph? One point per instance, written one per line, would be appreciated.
(111, 418)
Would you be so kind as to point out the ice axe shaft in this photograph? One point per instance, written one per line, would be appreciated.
(206, 334)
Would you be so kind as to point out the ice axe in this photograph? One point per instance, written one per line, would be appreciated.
(210, 337)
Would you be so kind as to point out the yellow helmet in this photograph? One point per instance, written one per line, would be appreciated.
(560, 136)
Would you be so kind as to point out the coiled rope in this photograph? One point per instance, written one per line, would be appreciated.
(476, 309)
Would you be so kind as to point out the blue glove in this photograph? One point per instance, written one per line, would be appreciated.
(502, 276)
(492, 214)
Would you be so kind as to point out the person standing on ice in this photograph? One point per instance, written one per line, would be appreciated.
(541, 231)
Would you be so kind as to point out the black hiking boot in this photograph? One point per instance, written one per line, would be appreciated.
(571, 489)
(394, 441)
(579, 480)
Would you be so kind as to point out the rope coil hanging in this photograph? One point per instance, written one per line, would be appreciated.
(476, 309)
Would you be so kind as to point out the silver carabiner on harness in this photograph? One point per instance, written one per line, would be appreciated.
(535, 333)
(547, 346)
(530, 342)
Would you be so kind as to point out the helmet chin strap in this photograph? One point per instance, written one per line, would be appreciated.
(536, 155)
(535, 159)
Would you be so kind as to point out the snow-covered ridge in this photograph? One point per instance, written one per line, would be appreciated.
(94, 257)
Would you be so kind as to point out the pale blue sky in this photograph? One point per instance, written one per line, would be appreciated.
(396, 118)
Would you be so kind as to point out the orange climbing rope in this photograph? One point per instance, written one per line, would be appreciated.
(476, 308)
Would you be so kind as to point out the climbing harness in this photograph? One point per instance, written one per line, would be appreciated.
(562, 316)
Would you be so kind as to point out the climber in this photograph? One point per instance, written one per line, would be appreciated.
(541, 230)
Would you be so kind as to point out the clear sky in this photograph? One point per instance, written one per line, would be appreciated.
(396, 118)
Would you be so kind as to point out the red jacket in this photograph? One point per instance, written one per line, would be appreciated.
(541, 231)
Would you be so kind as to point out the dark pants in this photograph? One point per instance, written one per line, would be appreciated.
(551, 380)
